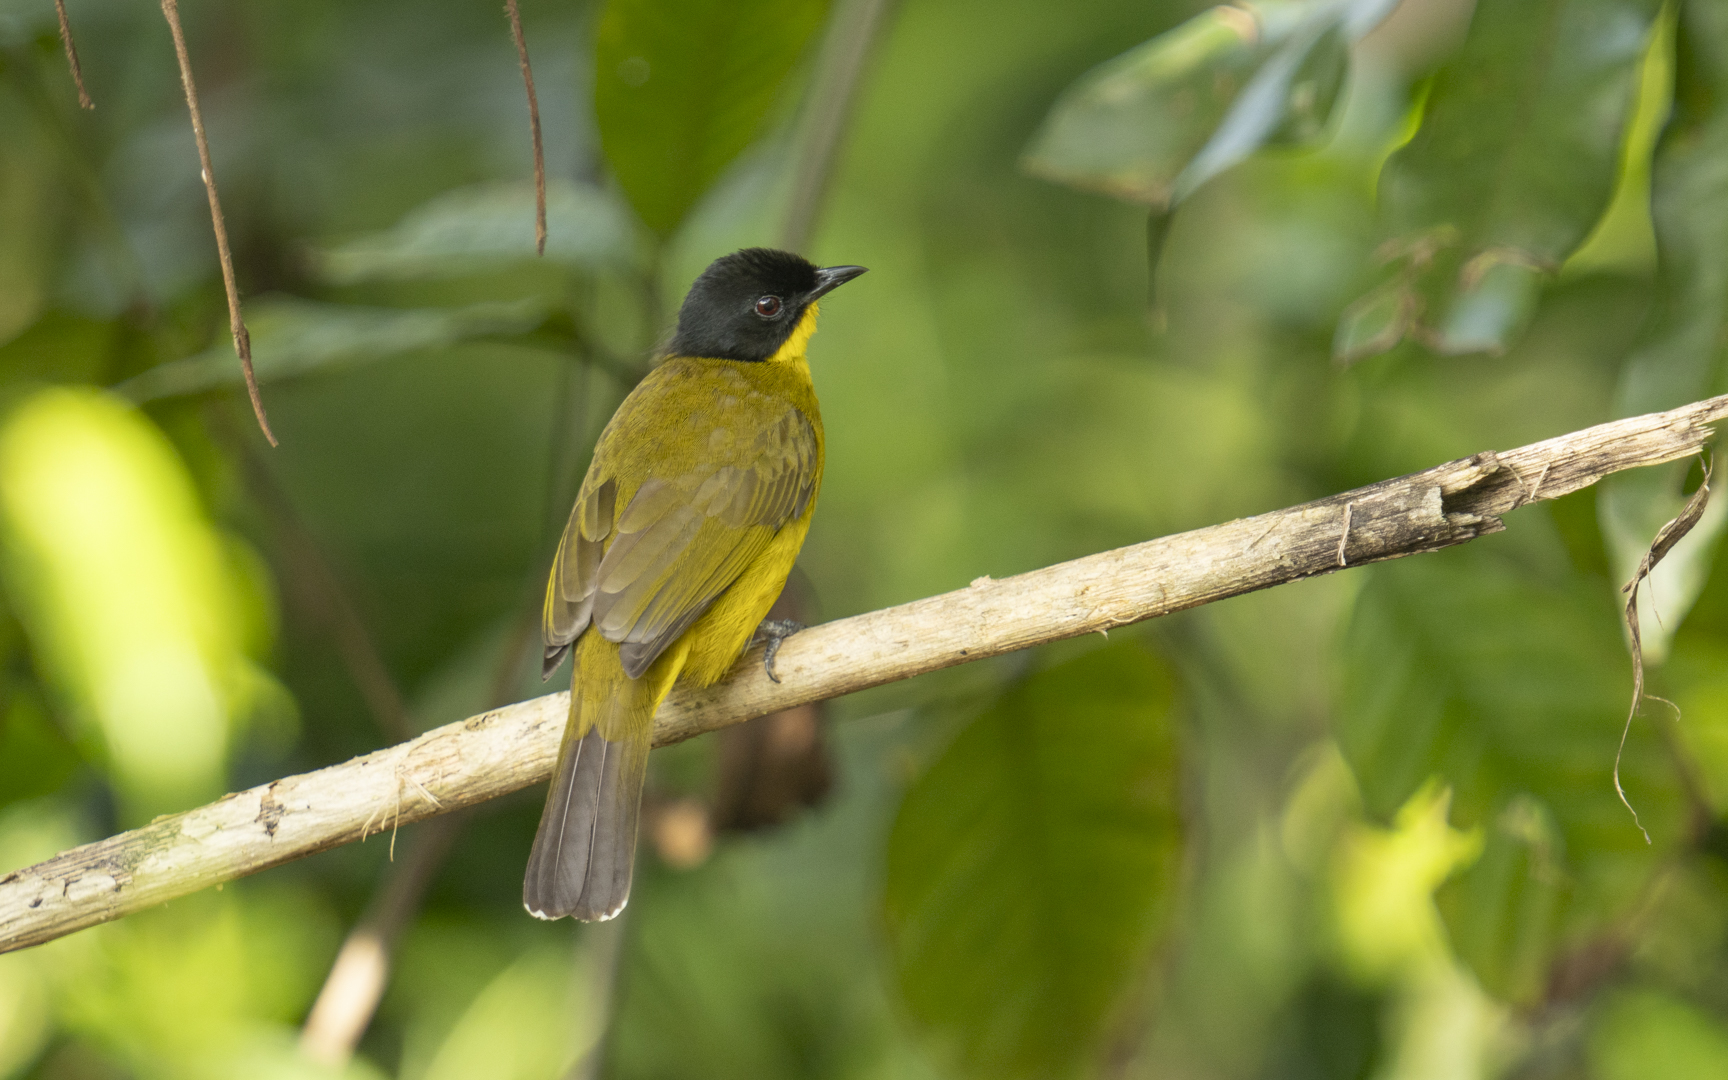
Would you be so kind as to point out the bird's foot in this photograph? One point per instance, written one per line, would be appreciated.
(775, 632)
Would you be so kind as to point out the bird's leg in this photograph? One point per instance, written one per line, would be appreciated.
(775, 631)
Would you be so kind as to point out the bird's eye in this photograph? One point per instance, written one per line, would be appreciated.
(768, 306)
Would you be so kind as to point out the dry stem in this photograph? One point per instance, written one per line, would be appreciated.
(497, 752)
(1666, 537)
(236, 326)
(533, 127)
(84, 101)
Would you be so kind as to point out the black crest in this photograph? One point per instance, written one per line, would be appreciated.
(745, 304)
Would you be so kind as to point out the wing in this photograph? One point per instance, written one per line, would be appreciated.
(570, 592)
(679, 542)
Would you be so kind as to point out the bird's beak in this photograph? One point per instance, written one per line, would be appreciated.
(830, 278)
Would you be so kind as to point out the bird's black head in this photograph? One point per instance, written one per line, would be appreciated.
(746, 305)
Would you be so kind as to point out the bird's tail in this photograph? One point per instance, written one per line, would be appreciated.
(586, 844)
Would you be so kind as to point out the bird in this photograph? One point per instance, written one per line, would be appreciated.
(694, 507)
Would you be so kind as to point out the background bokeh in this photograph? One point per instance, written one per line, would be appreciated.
(1136, 267)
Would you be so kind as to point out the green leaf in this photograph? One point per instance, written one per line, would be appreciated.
(1028, 867)
(1155, 123)
(1515, 160)
(1680, 350)
(1510, 685)
(297, 337)
(681, 89)
(485, 226)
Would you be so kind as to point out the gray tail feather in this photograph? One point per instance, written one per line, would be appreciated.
(586, 844)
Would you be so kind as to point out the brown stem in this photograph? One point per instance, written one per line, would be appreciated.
(1666, 537)
(533, 127)
(84, 101)
(236, 325)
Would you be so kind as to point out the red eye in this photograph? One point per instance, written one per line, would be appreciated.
(768, 306)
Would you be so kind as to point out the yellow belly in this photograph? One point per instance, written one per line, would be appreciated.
(721, 633)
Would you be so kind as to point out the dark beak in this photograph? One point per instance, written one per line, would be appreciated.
(830, 278)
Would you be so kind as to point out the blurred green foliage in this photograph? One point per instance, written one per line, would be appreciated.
(1028, 863)
(1361, 826)
(681, 89)
(1513, 161)
(1162, 119)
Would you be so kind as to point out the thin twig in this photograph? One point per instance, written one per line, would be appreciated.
(1637, 699)
(533, 127)
(505, 750)
(853, 31)
(1666, 537)
(236, 325)
(84, 101)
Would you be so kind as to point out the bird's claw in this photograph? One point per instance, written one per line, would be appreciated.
(775, 632)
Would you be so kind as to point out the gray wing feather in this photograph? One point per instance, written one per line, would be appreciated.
(570, 596)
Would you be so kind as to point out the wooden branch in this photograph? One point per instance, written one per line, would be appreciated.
(501, 751)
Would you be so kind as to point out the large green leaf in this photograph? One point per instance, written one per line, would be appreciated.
(297, 337)
(1515, 160)
(680, 89)
(1680, 351)
(1028, 867)
(1163, 118)
(1509, 684)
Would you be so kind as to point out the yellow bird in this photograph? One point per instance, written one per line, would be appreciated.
(694, 507)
